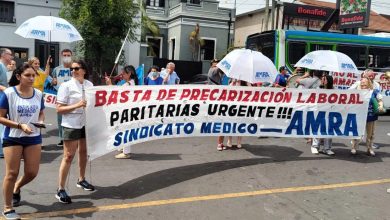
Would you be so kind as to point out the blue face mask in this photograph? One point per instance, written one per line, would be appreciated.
(154, 74)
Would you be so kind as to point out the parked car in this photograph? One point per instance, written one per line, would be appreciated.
(199, 79)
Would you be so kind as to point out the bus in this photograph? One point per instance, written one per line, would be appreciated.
(286, 47)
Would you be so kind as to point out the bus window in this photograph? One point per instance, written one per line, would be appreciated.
(379, 58)
(296, 50)
(356, 53)
(264, 42)
(314, 47)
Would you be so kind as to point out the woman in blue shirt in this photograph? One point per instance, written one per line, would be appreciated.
(153, 77)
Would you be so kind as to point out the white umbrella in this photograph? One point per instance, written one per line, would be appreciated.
(248, 65)
(328, 60)
(49, 28)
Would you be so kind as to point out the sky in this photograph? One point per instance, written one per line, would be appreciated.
(379, 6)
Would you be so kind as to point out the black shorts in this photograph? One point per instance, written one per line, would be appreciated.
(71, 134)
(9, 143)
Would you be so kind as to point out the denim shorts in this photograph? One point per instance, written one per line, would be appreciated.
(72, 134)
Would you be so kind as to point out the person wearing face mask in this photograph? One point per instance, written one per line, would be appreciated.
(60, 75)
(154, 77)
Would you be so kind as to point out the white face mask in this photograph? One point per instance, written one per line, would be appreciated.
(67, 59)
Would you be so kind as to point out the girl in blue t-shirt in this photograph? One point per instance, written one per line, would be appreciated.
(20, 106)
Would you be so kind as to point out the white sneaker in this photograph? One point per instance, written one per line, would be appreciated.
(375, 146)
(328, 152)
(353, 151)
(314, 150)
(370, 152)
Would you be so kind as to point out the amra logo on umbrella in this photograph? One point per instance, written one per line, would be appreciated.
(308, 61)
(63, 26)
(38, 33)
(262, 75)
(226, 64)
(72, 36)
(347, 66)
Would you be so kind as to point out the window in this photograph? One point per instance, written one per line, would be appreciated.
(356, 53)
(154, 46)
(207, 50)
(379, 57)
(265, 43)
(7, 12)
(155, 3)
(314, 47)
(20, 54)
(196, 2)
(296, 50)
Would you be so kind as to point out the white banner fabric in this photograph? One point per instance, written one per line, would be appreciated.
(117, 116)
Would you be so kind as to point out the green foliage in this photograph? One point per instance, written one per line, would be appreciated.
(353, 6)
(103, 24)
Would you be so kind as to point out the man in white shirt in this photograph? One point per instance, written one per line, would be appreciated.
(169, 75)
(60, 75)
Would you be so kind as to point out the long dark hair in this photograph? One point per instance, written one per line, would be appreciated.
(133, 75)
(18, 71)
(85, 66)
(329, 80)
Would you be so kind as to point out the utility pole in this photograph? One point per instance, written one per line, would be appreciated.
(234, 23)
(266, 14)
(273, 15)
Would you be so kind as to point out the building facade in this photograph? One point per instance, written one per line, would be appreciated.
(12, 14)
(310, 17)
(177, 20)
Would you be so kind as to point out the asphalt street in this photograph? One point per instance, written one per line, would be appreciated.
(187, 178)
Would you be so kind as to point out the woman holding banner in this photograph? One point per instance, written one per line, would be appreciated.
(375, 106)
(229, 144)
(326, 83)
(71, 104)
(129, 78)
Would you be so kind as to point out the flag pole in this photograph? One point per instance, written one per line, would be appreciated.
(119, 54)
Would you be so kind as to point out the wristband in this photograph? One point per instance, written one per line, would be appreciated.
(19, 126)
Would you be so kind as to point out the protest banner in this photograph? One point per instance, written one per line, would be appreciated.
(117, 116)
(49, 93)
(344, 80)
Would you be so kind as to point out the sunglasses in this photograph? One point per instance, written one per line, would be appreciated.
(75, 68)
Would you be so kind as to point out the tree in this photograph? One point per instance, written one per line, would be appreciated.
(195, 42)
(103, 24)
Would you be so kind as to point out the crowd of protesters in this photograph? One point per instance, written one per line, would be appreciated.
(23, 86)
